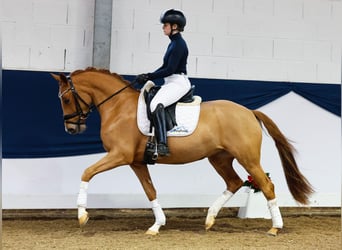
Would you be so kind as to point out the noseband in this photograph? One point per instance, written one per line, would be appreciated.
(82, 116)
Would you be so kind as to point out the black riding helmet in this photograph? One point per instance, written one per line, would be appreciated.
(173, 16)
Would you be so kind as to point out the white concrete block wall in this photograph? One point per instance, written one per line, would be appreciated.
(276, 40)
(47, 34)
(258, 8)
(228, 7)
(289, 9)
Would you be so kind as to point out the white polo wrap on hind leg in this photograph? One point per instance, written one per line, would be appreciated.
(82, 198)
(277, 220)
(219, 203)
(160, 219)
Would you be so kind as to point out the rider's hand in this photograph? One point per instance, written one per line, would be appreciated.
(142, 78)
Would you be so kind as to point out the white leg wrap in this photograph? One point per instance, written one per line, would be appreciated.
(219, 203)
(160, 219)
(277, 220)
(82, 198)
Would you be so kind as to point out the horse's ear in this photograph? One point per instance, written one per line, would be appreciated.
(56, 77)
(60, 78)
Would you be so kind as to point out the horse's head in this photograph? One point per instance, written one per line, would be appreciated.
(75, 108)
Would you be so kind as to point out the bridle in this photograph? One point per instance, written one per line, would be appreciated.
(82, 116)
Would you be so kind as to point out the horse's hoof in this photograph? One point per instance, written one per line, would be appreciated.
(273, 231)
(83, 219)
(210, 221)
(150, 232)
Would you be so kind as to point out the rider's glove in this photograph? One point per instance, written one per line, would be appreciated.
(142, 79)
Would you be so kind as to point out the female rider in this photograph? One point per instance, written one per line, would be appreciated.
(176, 83)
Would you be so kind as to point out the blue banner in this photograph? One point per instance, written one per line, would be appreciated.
(33, 120)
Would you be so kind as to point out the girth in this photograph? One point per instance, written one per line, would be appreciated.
(170, 111)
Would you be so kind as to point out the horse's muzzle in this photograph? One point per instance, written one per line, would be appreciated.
(74, 129)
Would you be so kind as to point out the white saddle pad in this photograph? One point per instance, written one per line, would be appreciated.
(187, 115)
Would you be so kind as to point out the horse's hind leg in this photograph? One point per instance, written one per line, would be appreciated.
(144, 177)
(267, 187)
(222, 162)
(250, 160)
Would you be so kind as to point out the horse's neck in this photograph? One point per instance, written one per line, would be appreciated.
(109, 95)
(102, 86)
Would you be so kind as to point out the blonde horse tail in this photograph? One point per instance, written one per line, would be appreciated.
(299, 186)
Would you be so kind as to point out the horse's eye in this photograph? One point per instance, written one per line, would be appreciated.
(66, 100)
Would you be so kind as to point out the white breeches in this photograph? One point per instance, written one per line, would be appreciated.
(174, 88)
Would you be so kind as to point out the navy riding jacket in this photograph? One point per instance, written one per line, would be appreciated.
(175, 58)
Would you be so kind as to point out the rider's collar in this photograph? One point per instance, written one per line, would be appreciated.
(175, 36)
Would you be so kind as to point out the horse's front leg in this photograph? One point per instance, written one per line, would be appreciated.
(83, 216)
(110, 161)
(143, 174)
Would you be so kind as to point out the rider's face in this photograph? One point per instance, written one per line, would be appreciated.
(167, 29)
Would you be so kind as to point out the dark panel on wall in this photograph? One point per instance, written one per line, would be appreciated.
(33, 123)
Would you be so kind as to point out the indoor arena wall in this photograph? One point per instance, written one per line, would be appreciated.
(238, 44)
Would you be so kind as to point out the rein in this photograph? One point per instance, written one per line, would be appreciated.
(79, 112)
(114, 94)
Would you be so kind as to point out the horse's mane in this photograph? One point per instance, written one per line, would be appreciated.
(104, 71)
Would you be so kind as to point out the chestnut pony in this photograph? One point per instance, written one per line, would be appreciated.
(225, 131)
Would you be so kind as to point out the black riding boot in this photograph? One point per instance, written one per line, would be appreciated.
(160, 130)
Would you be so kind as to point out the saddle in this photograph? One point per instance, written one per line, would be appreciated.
(170, 111)
(181, 117)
